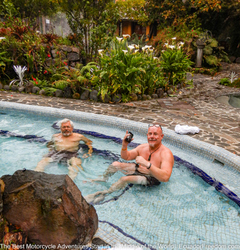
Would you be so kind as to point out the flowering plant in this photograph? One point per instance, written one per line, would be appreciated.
(124, 70)
(20, 72)
(174, 62)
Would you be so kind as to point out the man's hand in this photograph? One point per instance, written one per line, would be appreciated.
(124, 142)
(143, 170)
(141, 161)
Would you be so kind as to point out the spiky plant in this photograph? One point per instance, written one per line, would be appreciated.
(20, 72)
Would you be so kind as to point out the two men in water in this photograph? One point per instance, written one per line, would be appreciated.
(153, 165)
(64, 147)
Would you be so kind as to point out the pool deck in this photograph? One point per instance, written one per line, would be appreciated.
(219, 123)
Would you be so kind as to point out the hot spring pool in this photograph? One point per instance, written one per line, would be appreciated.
(183, 212)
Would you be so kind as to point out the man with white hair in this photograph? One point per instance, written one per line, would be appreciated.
(64, 148)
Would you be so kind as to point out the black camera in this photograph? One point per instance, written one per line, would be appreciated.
(129, 138)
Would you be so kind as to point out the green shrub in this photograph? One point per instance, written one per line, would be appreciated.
(175, 63)
(225, 81)
(126, 71)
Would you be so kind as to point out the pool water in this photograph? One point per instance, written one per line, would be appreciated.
(185, 210)
(234, 100)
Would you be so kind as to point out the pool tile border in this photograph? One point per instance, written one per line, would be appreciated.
(181, 141)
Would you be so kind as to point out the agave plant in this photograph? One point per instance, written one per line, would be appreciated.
(20, 72)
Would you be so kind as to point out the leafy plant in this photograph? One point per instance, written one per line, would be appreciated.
(175, 63)
(225, 81)
(67, 78)
(22, 45)
(49, 90)
(124, 70)
(3, 61)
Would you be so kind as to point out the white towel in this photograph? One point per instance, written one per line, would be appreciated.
(185, 129)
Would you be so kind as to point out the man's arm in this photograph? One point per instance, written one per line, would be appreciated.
(88, 143)
(125, 154)
(163, 174)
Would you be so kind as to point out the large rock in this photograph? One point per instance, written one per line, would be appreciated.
(67, 92)
(94, 95)
(72, 56)
(48, 208)
(85, 95)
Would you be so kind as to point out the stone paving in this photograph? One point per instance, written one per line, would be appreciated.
(194, 105)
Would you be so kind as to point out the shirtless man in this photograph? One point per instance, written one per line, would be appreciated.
(153, 165)
(64, 147)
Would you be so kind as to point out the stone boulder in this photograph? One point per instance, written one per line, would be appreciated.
(48, 208)
(85, 95)
(106, 98)
(94, 95)
(6, 87)
(28, 87)
(14, 88)
(117, 98)
(35, 89)
(67, 92)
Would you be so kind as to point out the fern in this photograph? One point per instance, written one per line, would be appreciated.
(61, 84)
(49, 91)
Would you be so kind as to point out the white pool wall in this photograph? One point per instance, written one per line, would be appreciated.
(184, 142)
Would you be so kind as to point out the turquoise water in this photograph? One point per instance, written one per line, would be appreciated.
(186, 210)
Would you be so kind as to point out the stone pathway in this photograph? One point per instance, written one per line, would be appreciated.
(196, 105)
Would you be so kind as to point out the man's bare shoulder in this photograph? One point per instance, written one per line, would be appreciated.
(78, 136)
(56, 135)
(166, 152)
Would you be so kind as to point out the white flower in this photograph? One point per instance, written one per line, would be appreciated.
(166, 45)
(131, 47)
(125, 51)
(181, 43)
(126, 35)
(155, 58)
(1, 38)
(143, 48)
(119, 39)
(100, 51)
(148, 46)
(171, 46)
(174, 38)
